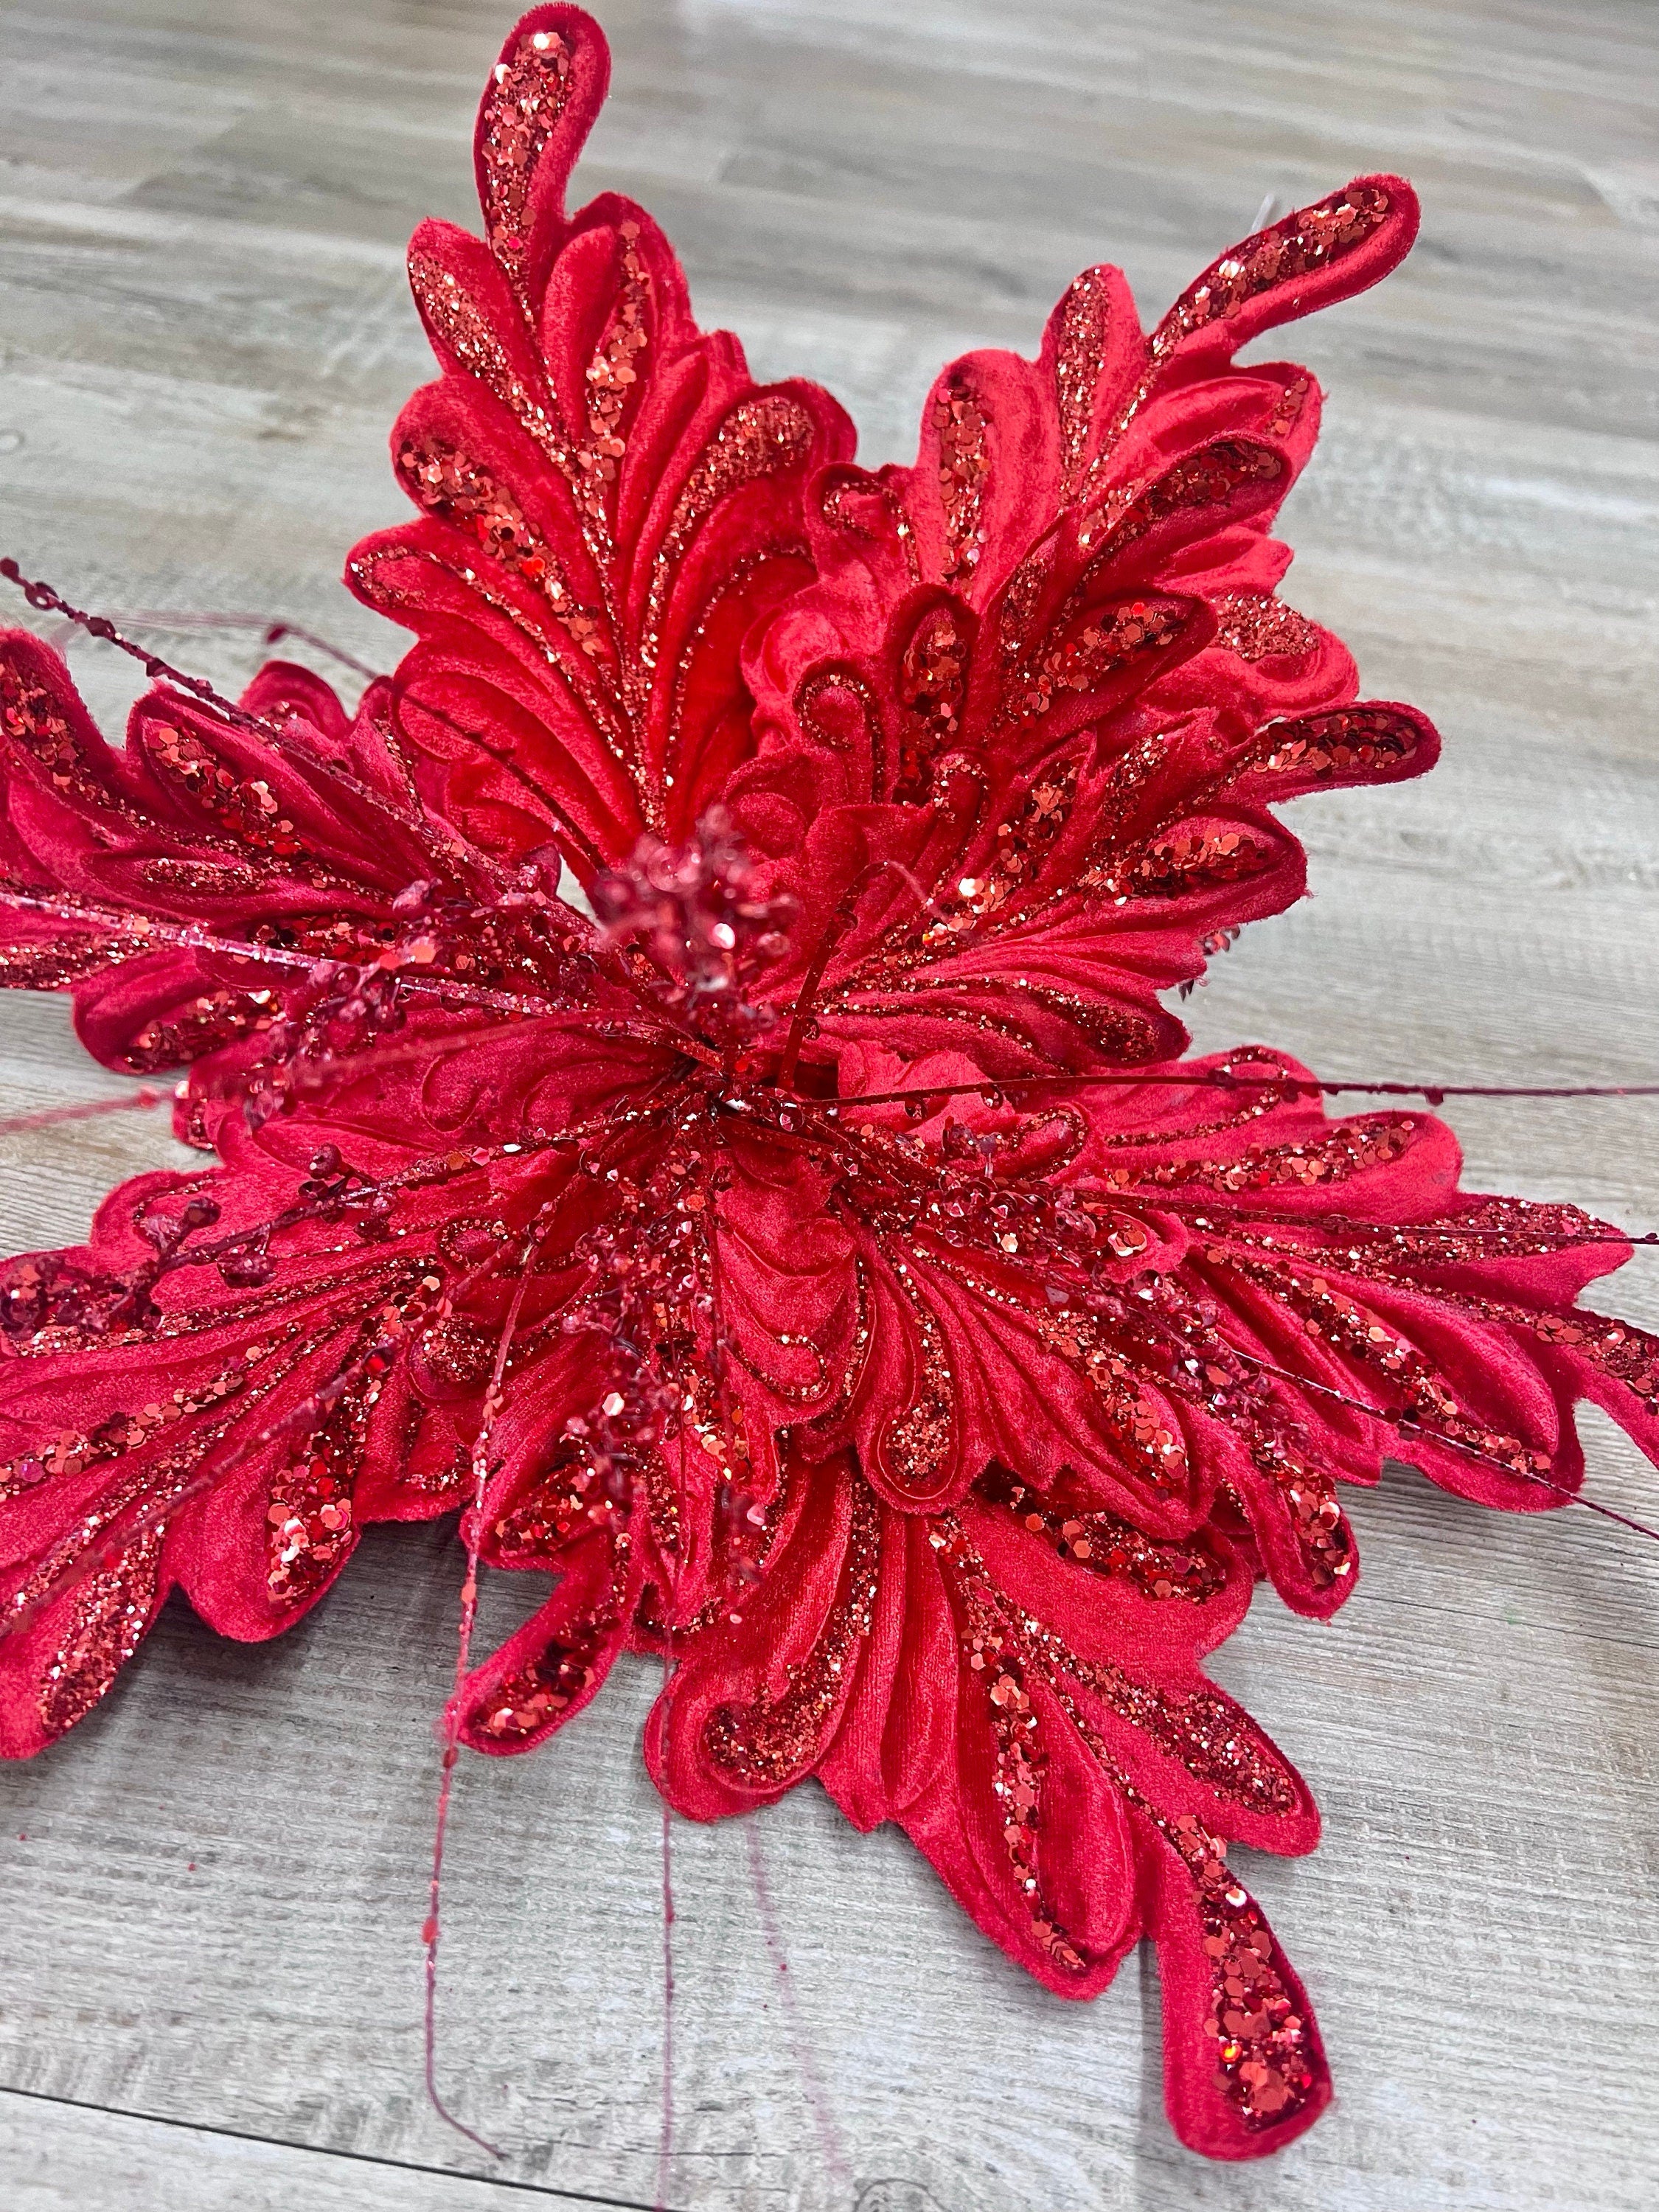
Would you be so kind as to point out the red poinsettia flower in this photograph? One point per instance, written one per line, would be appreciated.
(689, 1080)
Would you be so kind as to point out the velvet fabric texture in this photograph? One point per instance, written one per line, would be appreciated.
(936, 1438)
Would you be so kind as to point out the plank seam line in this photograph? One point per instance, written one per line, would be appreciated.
(328, 2150)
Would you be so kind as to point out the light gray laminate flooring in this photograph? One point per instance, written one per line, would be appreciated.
(210, 1994)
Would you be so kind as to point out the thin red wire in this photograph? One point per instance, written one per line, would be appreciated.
(1221, 1079)
(431, 1929)
(1401, 1424)
(193, 937)
(49, 1116)
(42, 596)
(666, 2139)
(829, 2141)
(272, 632)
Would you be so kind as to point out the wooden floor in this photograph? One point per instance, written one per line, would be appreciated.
(210, 1992)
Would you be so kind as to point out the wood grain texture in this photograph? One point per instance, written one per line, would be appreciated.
(210, 1991)
(52, 2154)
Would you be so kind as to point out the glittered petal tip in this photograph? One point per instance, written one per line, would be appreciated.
(549, 1669)
(753, 1705)
(538, 108)
(1326, 251)
(1244, 2069)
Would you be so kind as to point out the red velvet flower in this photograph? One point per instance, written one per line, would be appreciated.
(935, 1436)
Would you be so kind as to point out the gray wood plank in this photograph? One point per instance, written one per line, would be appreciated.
(58, 2157)
(214, 1889)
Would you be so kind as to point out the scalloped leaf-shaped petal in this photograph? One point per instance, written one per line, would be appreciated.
(610, 503)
